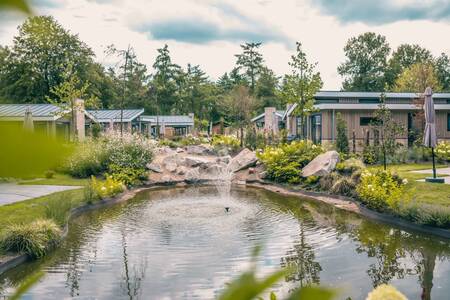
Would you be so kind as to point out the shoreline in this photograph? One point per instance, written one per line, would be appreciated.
(340, 202)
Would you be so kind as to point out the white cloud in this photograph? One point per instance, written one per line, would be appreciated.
(103, 22)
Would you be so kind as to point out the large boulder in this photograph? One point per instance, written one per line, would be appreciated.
(154, 167)
(195, 161)
(192, 175)
(322, 165)
(199, 150)
(246, 158)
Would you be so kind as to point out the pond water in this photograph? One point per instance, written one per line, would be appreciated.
(180, 243)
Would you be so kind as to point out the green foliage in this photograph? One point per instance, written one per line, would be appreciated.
(89, 158)
(34, 239)
(370, 155)
(443, 151)
(385, 292)
(426, 214)
(225, 143)
(341, 138)
(58, 208)
(366, 63)
(254, 140)
(349, 166)
(285, 162)
(106, 188)
(89, 193)
(168, 143)
(49, 174)
(251, 61)
(20, 5)
(417, 78)
(127, 175)
(381, 190)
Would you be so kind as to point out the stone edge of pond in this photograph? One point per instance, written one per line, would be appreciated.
(351, 205)
(340, 202)
(13, 260)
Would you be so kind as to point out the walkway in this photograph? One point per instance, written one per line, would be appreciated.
(443, 172)
(11, 192)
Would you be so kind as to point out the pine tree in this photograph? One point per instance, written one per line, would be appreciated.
(341, 138)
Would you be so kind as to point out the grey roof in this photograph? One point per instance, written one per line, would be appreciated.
(340, 94)
(106, 115)
(279, 113)
(169, 120)
(374, 106)
(40, 112)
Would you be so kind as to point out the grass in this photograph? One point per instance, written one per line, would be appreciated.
(58, 179)
(423, 192)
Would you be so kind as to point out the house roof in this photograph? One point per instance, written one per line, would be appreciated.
(108, 115)
(374, 106)
(169, 120)
(279, 113)
(341, 94)
(40, 112)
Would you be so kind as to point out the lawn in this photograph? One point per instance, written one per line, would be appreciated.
(58, 179)
(424, 192)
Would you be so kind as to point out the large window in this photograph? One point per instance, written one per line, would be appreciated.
(369, 100)
(327, 100)
(448, 122)
(316, 128)
(366, 121)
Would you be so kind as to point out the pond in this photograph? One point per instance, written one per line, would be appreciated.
(181, 243)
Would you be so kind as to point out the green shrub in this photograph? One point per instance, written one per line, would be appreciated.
(192, 140)
(168, 143)
(227, 143)
(90, 158)
(254, 140)
(126, 175)
(285, 163)
(57, 209)
(326, 182)
(381, 190)
(350, 166)
(369, 155)
(427, 214)
(34, 239)
(49, 174)
(90, 195)
(343, 186)
(342, 138)
(443, 151)
(106, 188)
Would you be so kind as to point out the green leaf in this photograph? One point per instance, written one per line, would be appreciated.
(20, 5)
(312, 293)
(273, 296)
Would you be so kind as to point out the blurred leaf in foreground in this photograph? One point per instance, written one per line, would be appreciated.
(20, 5)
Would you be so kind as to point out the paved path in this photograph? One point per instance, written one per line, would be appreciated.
(11, 192)
(444, 172)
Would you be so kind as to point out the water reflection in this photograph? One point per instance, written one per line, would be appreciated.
(181, 244)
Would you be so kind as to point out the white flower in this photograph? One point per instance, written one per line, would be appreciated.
(103, 188)
(405, 181)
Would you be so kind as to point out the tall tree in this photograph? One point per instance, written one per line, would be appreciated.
(38, 58)
(266, 89)
(239, 105)
(366, 63)
(442, 69)
(301, 85)
(164, 82)
(417, 78)
(250, 61)
(404, 57)
(342, 137)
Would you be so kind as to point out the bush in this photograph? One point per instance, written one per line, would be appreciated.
(342, 139)
(344, 186)
(254, 140)
(227, 143)
(285, 163)
(192, 140)
(107, 188)
(427, 214)
(443, 151)
(369, 155)
(381, 190)
(57, 209)
(126, 175)
(49, 174)
(349, 166)
(90, 158)
(34, 239)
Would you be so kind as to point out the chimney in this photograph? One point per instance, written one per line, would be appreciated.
(270, 120)
(79, 119)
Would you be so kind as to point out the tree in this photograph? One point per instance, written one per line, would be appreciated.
(251, 62)
(342, 138)
(266, 89)
(366, 63)
(239, 105)
(164, 81)
(442, 69)
(66, 95)
(404, 57)
(301, 85)
(38, 57)
(385, 130)
(417, 78)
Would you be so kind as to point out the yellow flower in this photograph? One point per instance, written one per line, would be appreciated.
(385, 292)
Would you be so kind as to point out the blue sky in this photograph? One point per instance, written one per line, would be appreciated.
(209, 32)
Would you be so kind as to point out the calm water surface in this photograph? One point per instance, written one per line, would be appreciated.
(181, 244)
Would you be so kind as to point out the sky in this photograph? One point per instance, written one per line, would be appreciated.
(208, 33)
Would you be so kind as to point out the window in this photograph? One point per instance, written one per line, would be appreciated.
(366, 121)
(327, 100)
(369, 100)
(448, 122)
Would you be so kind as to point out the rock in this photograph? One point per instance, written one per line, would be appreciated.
(263, 175)
(154, 167)
(217, 171)
(223, 159)
(199, 150)
(180, 150)
(246, 158)
(166, 179)
(192, 175)
(181, 170)
(190, 161)
(251, 170)
(171, 167)
(322, 165)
